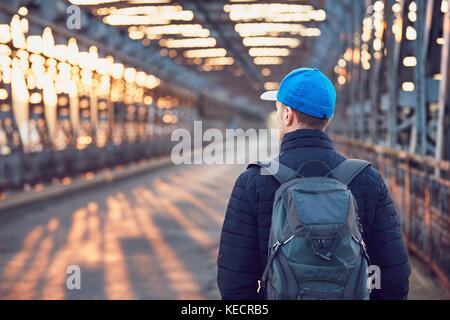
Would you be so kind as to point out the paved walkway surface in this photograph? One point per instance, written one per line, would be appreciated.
(154, 236)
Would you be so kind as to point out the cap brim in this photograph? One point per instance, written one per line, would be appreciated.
(269, 96)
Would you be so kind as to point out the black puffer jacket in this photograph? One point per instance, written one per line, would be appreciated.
(245, 233)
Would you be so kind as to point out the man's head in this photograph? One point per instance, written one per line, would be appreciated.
(305, 100)
(289, 119)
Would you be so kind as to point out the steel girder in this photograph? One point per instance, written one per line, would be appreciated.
(380, 109)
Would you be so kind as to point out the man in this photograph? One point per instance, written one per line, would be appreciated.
(305, 105)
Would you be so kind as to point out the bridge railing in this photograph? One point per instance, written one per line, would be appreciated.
(421, 197)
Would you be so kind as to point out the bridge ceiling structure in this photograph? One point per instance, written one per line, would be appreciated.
(240, 47)
(383, 55)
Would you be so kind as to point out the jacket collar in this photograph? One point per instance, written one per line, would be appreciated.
(304, 138)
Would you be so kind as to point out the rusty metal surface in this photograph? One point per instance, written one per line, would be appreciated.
(421, 198)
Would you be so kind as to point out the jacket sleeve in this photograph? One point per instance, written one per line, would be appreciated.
(238, 261)
(387, 250)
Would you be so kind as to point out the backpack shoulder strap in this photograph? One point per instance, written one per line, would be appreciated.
(348, 170)
(276, 169)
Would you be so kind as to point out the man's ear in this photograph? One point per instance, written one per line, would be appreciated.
(289, 116)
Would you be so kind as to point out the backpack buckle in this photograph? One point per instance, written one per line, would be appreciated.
(260, 286)
(275, 247)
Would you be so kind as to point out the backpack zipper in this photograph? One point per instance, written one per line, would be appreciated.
(320, 191)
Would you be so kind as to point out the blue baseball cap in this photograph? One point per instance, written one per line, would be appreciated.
(308, 91)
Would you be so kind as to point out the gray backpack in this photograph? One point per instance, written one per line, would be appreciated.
(316, 250)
